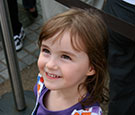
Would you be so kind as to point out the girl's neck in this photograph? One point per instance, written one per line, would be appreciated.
(59, 100)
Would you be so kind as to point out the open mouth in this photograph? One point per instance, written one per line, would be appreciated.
(49, 75)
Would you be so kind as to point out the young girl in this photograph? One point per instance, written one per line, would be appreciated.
(72, 65)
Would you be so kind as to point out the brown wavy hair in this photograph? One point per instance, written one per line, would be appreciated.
(88, 33)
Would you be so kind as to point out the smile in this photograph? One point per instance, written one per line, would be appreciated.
(49, 75)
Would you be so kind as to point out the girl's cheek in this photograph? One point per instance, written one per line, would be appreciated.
(40, 63)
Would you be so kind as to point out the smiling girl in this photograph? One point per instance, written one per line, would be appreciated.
(72, 64)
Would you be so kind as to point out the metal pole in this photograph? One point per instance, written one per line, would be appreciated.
(11, 57)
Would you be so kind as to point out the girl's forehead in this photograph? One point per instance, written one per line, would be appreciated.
(63, 39)
(67, 40)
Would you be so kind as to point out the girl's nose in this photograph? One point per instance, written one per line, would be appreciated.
(51, 64)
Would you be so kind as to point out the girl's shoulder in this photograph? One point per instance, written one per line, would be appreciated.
(93, 110)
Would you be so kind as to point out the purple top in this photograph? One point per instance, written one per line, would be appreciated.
(40, 109)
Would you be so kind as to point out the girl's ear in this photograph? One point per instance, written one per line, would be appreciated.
(91, 71)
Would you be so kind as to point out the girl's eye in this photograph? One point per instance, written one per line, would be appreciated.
(66, 57)
(46, 51)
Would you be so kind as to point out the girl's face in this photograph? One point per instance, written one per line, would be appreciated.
(61, 66)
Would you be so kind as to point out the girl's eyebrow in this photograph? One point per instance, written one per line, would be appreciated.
(68, 53)
(61, 51)
(43, 45)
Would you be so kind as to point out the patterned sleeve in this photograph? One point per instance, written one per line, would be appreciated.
(39, 85)
(94, 110)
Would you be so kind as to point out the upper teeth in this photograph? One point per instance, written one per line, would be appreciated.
(51, 75)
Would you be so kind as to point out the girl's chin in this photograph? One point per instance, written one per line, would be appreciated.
(50, 86)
